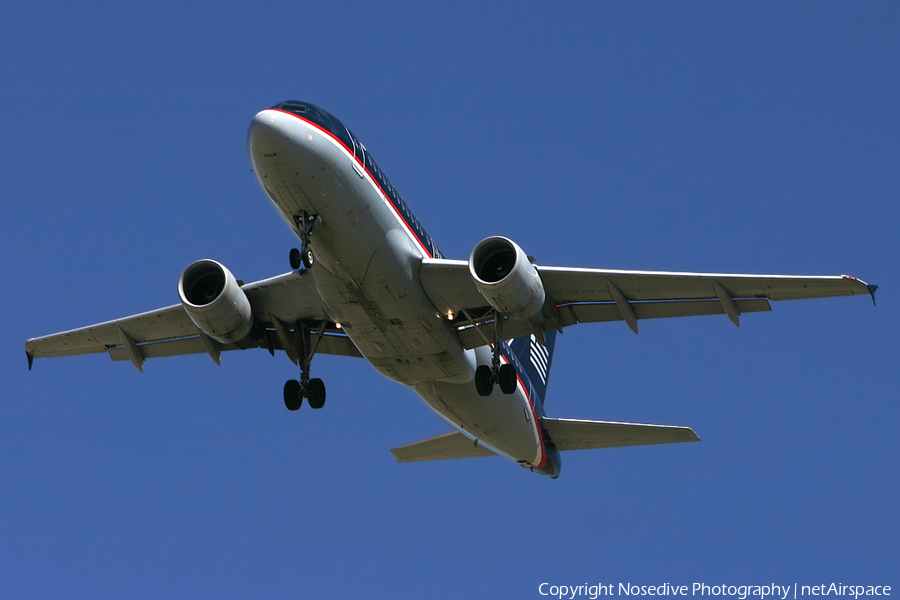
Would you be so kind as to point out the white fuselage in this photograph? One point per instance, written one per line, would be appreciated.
(368, 255)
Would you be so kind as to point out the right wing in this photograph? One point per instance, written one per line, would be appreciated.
(576, 434)
(595, 295)
(279, 305)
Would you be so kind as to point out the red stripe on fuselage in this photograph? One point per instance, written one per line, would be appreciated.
(371, 177)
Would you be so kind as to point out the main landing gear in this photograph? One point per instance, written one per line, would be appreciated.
(305, 225)
(485, 379)
(505, 374)
(311, 389)
(294, 392)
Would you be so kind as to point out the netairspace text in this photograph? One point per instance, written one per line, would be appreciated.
(741, 592)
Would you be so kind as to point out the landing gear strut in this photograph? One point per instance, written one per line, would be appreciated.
(311, 389)
(505, 374)
(305, 225)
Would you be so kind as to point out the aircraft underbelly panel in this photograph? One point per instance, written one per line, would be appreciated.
(501, 422)
(396, 329)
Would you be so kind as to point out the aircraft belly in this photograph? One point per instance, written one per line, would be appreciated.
(503, 423)
(395, 327)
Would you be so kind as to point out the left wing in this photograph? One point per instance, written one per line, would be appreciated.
(593, 295)
(279, 304)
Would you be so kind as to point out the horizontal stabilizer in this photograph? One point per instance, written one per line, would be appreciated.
(575, 434)
(449, 445)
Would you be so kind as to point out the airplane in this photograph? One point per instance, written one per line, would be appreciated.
(473, 338)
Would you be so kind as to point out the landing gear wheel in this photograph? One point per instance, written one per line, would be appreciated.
(296, 259)
(484, 380)
(306, 223)
(315, 391)
(507, 377)
(293, 394)
(308, 258)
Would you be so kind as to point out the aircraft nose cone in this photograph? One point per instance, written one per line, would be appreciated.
(269, 138)
(265, 131)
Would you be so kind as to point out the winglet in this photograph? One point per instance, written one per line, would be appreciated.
(30, 359)
(872, 289)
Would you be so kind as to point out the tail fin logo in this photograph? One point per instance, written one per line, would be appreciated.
(539, 358)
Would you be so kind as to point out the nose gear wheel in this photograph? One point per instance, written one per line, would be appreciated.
(296, 259)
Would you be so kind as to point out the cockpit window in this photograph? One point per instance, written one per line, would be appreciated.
(317, 116)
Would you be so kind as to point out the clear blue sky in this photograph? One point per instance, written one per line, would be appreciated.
(727, 137)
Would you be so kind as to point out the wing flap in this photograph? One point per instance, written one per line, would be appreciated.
(575, 434)
(330, 344)
(449, 445)
(473, 336)
(594, 313)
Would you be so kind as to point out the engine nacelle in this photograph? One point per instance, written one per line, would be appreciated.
(215, 302)
(507, 279)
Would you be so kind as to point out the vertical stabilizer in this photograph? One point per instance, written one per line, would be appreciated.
(535, 359)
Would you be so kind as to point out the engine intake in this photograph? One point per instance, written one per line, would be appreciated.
(507, 279)
(215, 302)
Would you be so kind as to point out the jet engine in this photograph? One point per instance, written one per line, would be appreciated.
(507, 279)
(215, 302)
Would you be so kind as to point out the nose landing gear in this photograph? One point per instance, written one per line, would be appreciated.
(305, 225)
